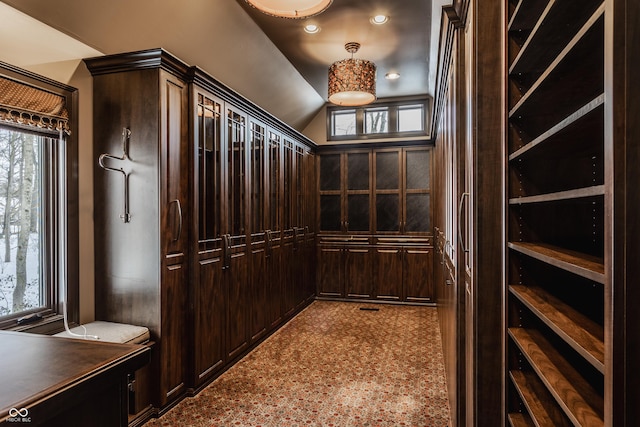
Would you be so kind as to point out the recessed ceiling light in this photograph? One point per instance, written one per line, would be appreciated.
(311, 28)
(392, 76)
(379, 19)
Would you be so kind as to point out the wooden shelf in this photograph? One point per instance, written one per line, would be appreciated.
(579, 193)
(583, 335)
(541, 407)
(575, 120)
(577, 398)
(556, 25)
(574, 78)
(526, 15)
(584, 265)
(520, 420)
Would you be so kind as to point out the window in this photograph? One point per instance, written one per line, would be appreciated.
(380, 120)
(38, 231)
(343, 123)
(410, 118)
(376, 120)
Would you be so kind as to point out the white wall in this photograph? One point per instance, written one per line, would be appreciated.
(33, 46)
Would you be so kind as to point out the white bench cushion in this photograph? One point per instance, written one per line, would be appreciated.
(110, 332)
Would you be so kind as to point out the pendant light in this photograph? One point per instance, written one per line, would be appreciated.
(352, 81)
(296, 9)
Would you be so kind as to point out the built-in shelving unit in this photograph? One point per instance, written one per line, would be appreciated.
(556, 192)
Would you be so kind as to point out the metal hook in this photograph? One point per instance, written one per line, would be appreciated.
(126, 135)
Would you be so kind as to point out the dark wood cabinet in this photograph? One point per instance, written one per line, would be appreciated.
(330, 270)
(375, 224)
(209, 293)
(141, 220)
(404, 270)
(345, 183)
(217, 249)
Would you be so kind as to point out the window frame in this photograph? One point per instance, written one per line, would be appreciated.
(392, 107)
(65, 268)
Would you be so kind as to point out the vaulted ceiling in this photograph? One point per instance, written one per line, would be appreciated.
(400, 45)
(269, 60)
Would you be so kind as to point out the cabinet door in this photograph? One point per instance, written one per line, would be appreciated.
(273, 181)
(417, 194)
(258, 288)
(359, 272)
(388, 277)
(274, 281)
(174, 232)
(418, 274)
(331, 218)
(357, 191)
(209, 315)
(237, 306)
(330, 271)
(209, 289)
(387, 191)
(236, 169)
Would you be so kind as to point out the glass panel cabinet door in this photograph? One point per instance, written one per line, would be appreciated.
(418, 207)
(274, 180)
(418, 169)
(330, 212)
(287, 194)
(257, 188)
(330, 172)
(388, 212)
(388, 170)
(387, 190)
(209, 136)
(358, 212)
(417, 194)
(331, 217)
(358, 171)
(236, 171)
(358, 198)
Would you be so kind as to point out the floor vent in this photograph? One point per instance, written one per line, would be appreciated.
(369, 309)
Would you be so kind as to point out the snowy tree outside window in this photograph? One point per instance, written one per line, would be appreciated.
(21, 286)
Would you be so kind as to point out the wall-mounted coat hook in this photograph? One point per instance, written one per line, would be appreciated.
(126, 135)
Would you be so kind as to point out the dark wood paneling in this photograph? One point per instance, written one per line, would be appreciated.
(359, 272)
(388, 276)
(330, 271)
(237, 303)
(418, 274)
(258, 286)
(209, 315)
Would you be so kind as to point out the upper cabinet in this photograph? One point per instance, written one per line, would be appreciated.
(378, 191)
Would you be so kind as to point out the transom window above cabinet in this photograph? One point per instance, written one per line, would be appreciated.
(398, 119)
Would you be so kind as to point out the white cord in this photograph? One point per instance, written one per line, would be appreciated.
(63, 266)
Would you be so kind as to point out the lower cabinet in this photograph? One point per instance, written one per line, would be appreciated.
(375, 268)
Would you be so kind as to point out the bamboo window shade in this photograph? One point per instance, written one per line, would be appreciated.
(26, 105)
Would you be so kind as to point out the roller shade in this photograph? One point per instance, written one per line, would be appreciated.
(26, 105)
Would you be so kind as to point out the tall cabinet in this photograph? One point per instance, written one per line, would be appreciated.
(142, 209)
(204, 225)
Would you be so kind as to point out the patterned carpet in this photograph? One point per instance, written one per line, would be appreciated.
(332, 365)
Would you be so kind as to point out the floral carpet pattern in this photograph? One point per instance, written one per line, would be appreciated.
(332, 365)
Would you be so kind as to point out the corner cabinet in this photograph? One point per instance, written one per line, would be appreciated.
(142, 212)
(204, 219)
(375, 224)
